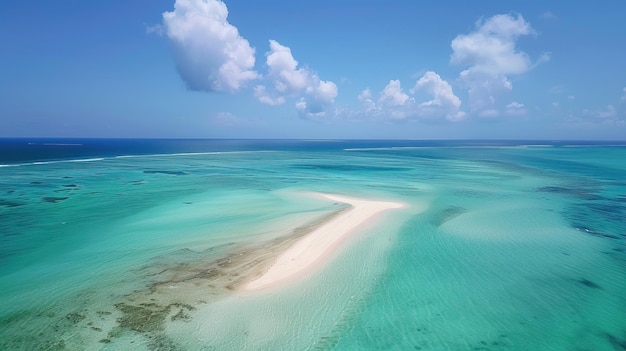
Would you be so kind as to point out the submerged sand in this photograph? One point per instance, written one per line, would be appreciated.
(310, 250)
(176, 290)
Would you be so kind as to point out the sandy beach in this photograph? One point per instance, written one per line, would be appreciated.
(309, 251)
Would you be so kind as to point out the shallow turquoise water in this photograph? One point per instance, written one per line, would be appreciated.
(520, 248)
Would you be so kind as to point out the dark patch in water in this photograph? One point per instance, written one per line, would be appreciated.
(37, 183)
(448, 214)
(596, 233)
(617, 343)
(579, 193)
(588, 283)
(74, 317)
(70, 185)
(166, 172)
(149, 319)
(53, 199)
(609, 209)
(8, 203)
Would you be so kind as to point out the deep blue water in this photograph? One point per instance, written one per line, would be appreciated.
(19, 150)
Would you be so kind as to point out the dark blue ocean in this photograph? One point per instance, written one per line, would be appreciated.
(16, 150)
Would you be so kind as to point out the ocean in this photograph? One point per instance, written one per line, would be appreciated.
(119, 244)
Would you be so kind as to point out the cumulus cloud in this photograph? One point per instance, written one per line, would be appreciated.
(315, 96)
(491, 47)
(490, 55)
(284, 71)
(319, 98)
(393, 95)
(210, 53)
(444, 101)
(394, 103)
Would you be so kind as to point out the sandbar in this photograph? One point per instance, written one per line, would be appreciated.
(310, 250)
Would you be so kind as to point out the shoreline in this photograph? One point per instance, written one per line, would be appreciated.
(309, 251)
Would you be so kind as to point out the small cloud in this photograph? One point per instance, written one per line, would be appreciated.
(548, 15)
(444, 101)
(571, 97)
(287, 79)
(365, 95)
(555, 104)
(318, 99)
(392, 95)
(515, 109)
(157, 29)
(261, 93)
(623, 98)
(210, 53)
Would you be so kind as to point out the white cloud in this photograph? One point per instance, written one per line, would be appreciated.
(392, 95)
(491, 47)
(320, 96)
(261, 93)
(365, 95)
(490, 55)
(210, 53)
(157, 29)
(516, 109)
(623, 98)
(315, 96)
(283, 69)
(444, 101)
(394, 103)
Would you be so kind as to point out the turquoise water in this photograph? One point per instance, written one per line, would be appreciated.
(518, 248)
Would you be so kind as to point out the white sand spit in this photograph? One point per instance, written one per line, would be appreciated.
(311, 249)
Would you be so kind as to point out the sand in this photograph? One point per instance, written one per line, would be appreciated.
(309, 252)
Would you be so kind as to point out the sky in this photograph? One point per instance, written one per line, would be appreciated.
(340, 69)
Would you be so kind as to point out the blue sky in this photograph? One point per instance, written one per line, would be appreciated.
(313, 69)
